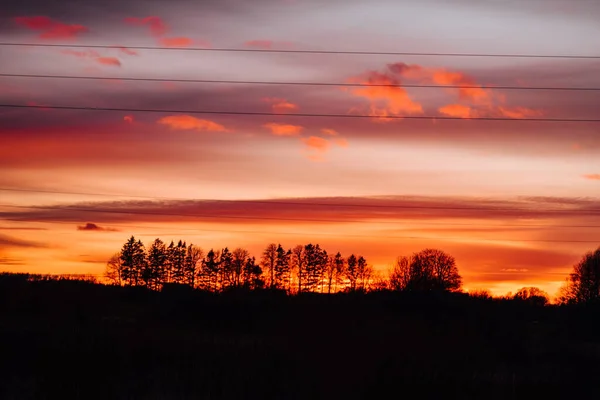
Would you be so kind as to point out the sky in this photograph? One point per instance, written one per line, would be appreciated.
(516, 202)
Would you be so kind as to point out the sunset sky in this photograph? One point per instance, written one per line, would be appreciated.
(516, 202)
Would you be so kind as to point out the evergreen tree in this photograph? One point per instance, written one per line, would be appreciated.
(282, 268)
(177, 258)
(210, 270)
(316, 262)
(133, 261)
(299, 262)
(269, 258)
(225, 268)
(154, 273)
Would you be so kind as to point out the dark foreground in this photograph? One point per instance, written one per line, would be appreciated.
(76, 340)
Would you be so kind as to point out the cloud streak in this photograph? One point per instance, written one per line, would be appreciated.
(49, 28)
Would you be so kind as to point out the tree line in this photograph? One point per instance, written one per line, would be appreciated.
(304, 268)
(310, 268)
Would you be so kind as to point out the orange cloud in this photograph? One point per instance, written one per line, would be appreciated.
(593, 177)
(283, 129)
(519, 112)
(128, 118)
(385, 100)
(51, 29)
(187, 122)
(316, 143)
(341, 142)
(109, 61)
(474, 93)
(281, 105)
(457, 110)
(156, 24)
(330, 132)
(176, 42)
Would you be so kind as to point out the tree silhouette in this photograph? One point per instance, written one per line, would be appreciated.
(400, 274)
(583, 284)
(239, 260)
(316, 262)
(177, 261)
(427, 270)
(133, 261)
(282, 268)
(191, 271)
(299, 264)
(225, 268)
(114, 270)
(352, 271)
(252, 276)
(532, 295)
(268, 260)
(210, 271)
(364, 272)
(155, 272)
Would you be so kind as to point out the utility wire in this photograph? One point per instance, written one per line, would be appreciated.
(234, 82)
(314, 234)
(424, 117)
(366, 53)
(311, 204)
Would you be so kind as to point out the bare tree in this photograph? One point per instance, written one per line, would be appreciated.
(400, 274)
(193, 257)
(299, 263)
(114, 270)
(239, 259)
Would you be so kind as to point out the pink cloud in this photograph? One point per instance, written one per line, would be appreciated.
(283, 129)
(187, 122)
(51, 29)
(128, 118)
(156, 25)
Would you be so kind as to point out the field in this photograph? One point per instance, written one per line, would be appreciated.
(79, 340)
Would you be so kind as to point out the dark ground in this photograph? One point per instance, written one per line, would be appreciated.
(77, 340)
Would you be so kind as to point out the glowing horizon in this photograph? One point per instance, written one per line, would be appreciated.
(515, 202)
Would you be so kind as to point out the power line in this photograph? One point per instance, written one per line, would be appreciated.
(424, 117)
(340, 84)
(298, 203)
(365, 53)
(335, 234)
